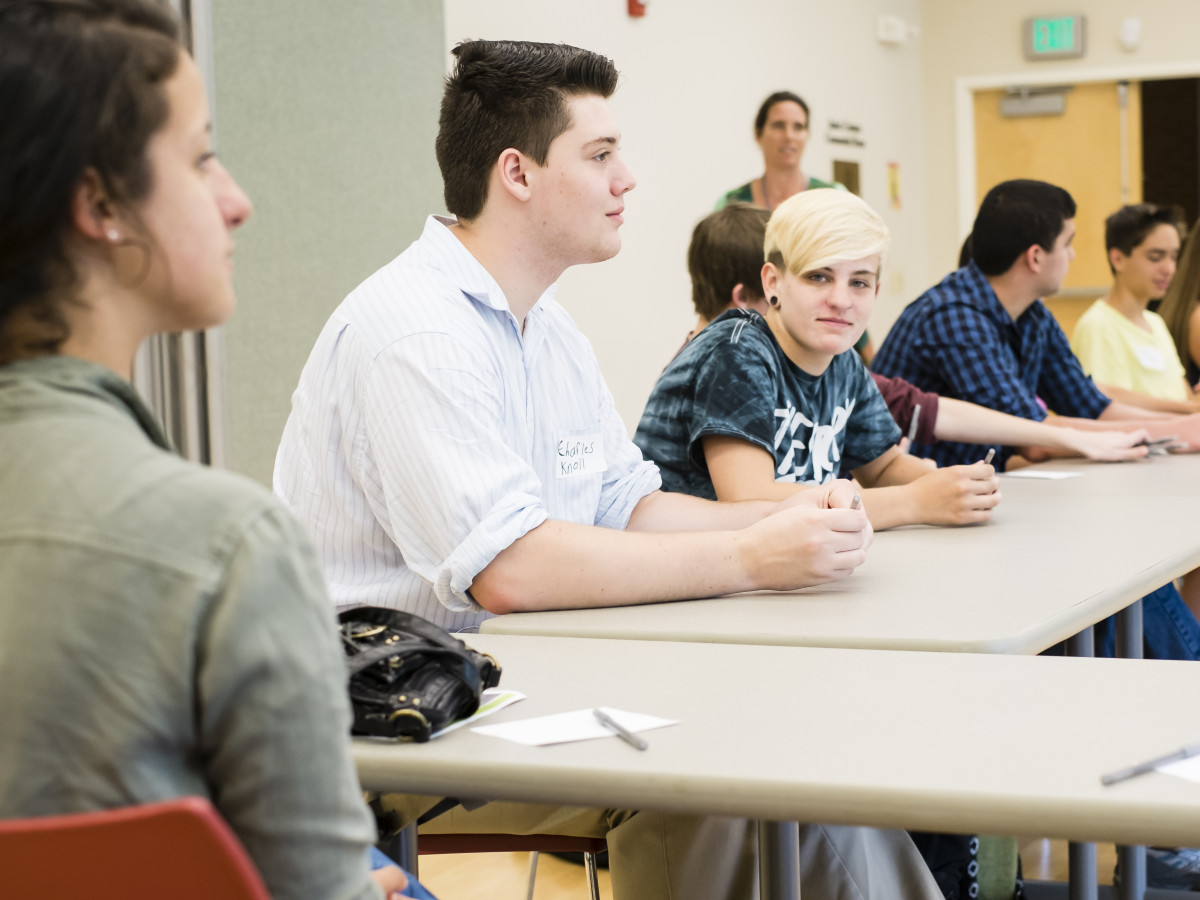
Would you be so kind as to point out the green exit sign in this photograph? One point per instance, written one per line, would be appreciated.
(1055, 37)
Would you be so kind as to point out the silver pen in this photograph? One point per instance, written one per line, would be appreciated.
(621, 731)
(1150, 765)
(991, 454)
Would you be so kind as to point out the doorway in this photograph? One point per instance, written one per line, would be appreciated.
(1115, 141)
(1171, 144)
(1092, 148)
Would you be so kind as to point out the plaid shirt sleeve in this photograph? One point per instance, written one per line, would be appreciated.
(980, 368)
(1063, 384)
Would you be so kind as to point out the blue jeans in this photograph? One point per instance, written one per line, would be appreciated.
(1169, 630)
(380, 860)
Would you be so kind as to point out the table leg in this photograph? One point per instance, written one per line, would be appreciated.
(1082, 644)
(402, 847)
(1081, 863)
(1132, 860)
(1129, 631)
(1081, 867)
(779, 860)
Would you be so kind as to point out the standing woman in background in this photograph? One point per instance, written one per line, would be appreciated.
(781, 131)
(1180, 307)
(164, 630)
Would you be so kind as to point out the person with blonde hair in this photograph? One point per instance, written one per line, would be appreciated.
(724, 261)
(763, 404)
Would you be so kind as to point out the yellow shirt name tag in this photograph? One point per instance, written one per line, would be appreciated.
(581, 455)
(1151, 358)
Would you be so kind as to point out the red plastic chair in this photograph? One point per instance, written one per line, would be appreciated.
(181, 849)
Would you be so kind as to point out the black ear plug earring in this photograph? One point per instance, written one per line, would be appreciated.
(774, 301)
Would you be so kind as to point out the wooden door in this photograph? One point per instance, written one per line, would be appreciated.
(1079, 150)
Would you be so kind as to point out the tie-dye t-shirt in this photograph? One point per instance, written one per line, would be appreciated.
(734, 380)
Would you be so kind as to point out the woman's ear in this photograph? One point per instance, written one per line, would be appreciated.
(92, 211)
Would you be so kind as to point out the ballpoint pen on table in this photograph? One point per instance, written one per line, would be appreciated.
(1150, 765)
(1157, 442)
(623, 733)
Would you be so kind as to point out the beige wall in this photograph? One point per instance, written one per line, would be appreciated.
(694, 73)
(971, 43)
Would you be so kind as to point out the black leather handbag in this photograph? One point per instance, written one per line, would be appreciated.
(409, 677)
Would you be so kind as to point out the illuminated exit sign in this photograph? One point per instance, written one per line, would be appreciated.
(1055, 37)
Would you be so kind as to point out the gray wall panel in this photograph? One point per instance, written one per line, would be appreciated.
(326, 114)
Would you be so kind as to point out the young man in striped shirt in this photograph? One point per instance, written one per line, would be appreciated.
(454, 451)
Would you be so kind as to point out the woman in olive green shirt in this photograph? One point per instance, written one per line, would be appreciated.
(164, 630)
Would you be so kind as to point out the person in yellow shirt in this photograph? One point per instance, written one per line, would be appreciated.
(1127, 349)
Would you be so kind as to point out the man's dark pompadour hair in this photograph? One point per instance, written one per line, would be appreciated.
(508, 94)
(1013, 217)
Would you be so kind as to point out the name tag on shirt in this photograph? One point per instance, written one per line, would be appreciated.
(580, 455)
(1151, 358)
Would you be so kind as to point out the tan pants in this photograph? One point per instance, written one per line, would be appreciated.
(660, 856)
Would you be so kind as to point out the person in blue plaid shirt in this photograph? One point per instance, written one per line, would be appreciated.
(983, 334)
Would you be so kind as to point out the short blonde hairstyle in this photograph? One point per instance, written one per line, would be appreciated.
(822, 226)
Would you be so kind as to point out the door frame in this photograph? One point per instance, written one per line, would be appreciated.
(965, 87)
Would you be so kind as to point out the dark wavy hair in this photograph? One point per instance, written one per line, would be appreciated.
(1129, 226)
(81, 89)
(508, 94)
(760, 120)
(1013, 217)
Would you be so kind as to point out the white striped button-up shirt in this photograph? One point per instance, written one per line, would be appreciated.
(428, 433)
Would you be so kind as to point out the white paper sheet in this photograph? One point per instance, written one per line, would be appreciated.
(1183, 768)
(577, 725)
(1042, 473)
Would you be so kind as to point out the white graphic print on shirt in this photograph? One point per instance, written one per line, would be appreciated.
(822, 450)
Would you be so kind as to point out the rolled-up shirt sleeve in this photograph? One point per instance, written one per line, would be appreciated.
(442, 479)
(903, 399)
(629, 476)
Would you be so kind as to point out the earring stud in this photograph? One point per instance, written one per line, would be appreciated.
(113, 235)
